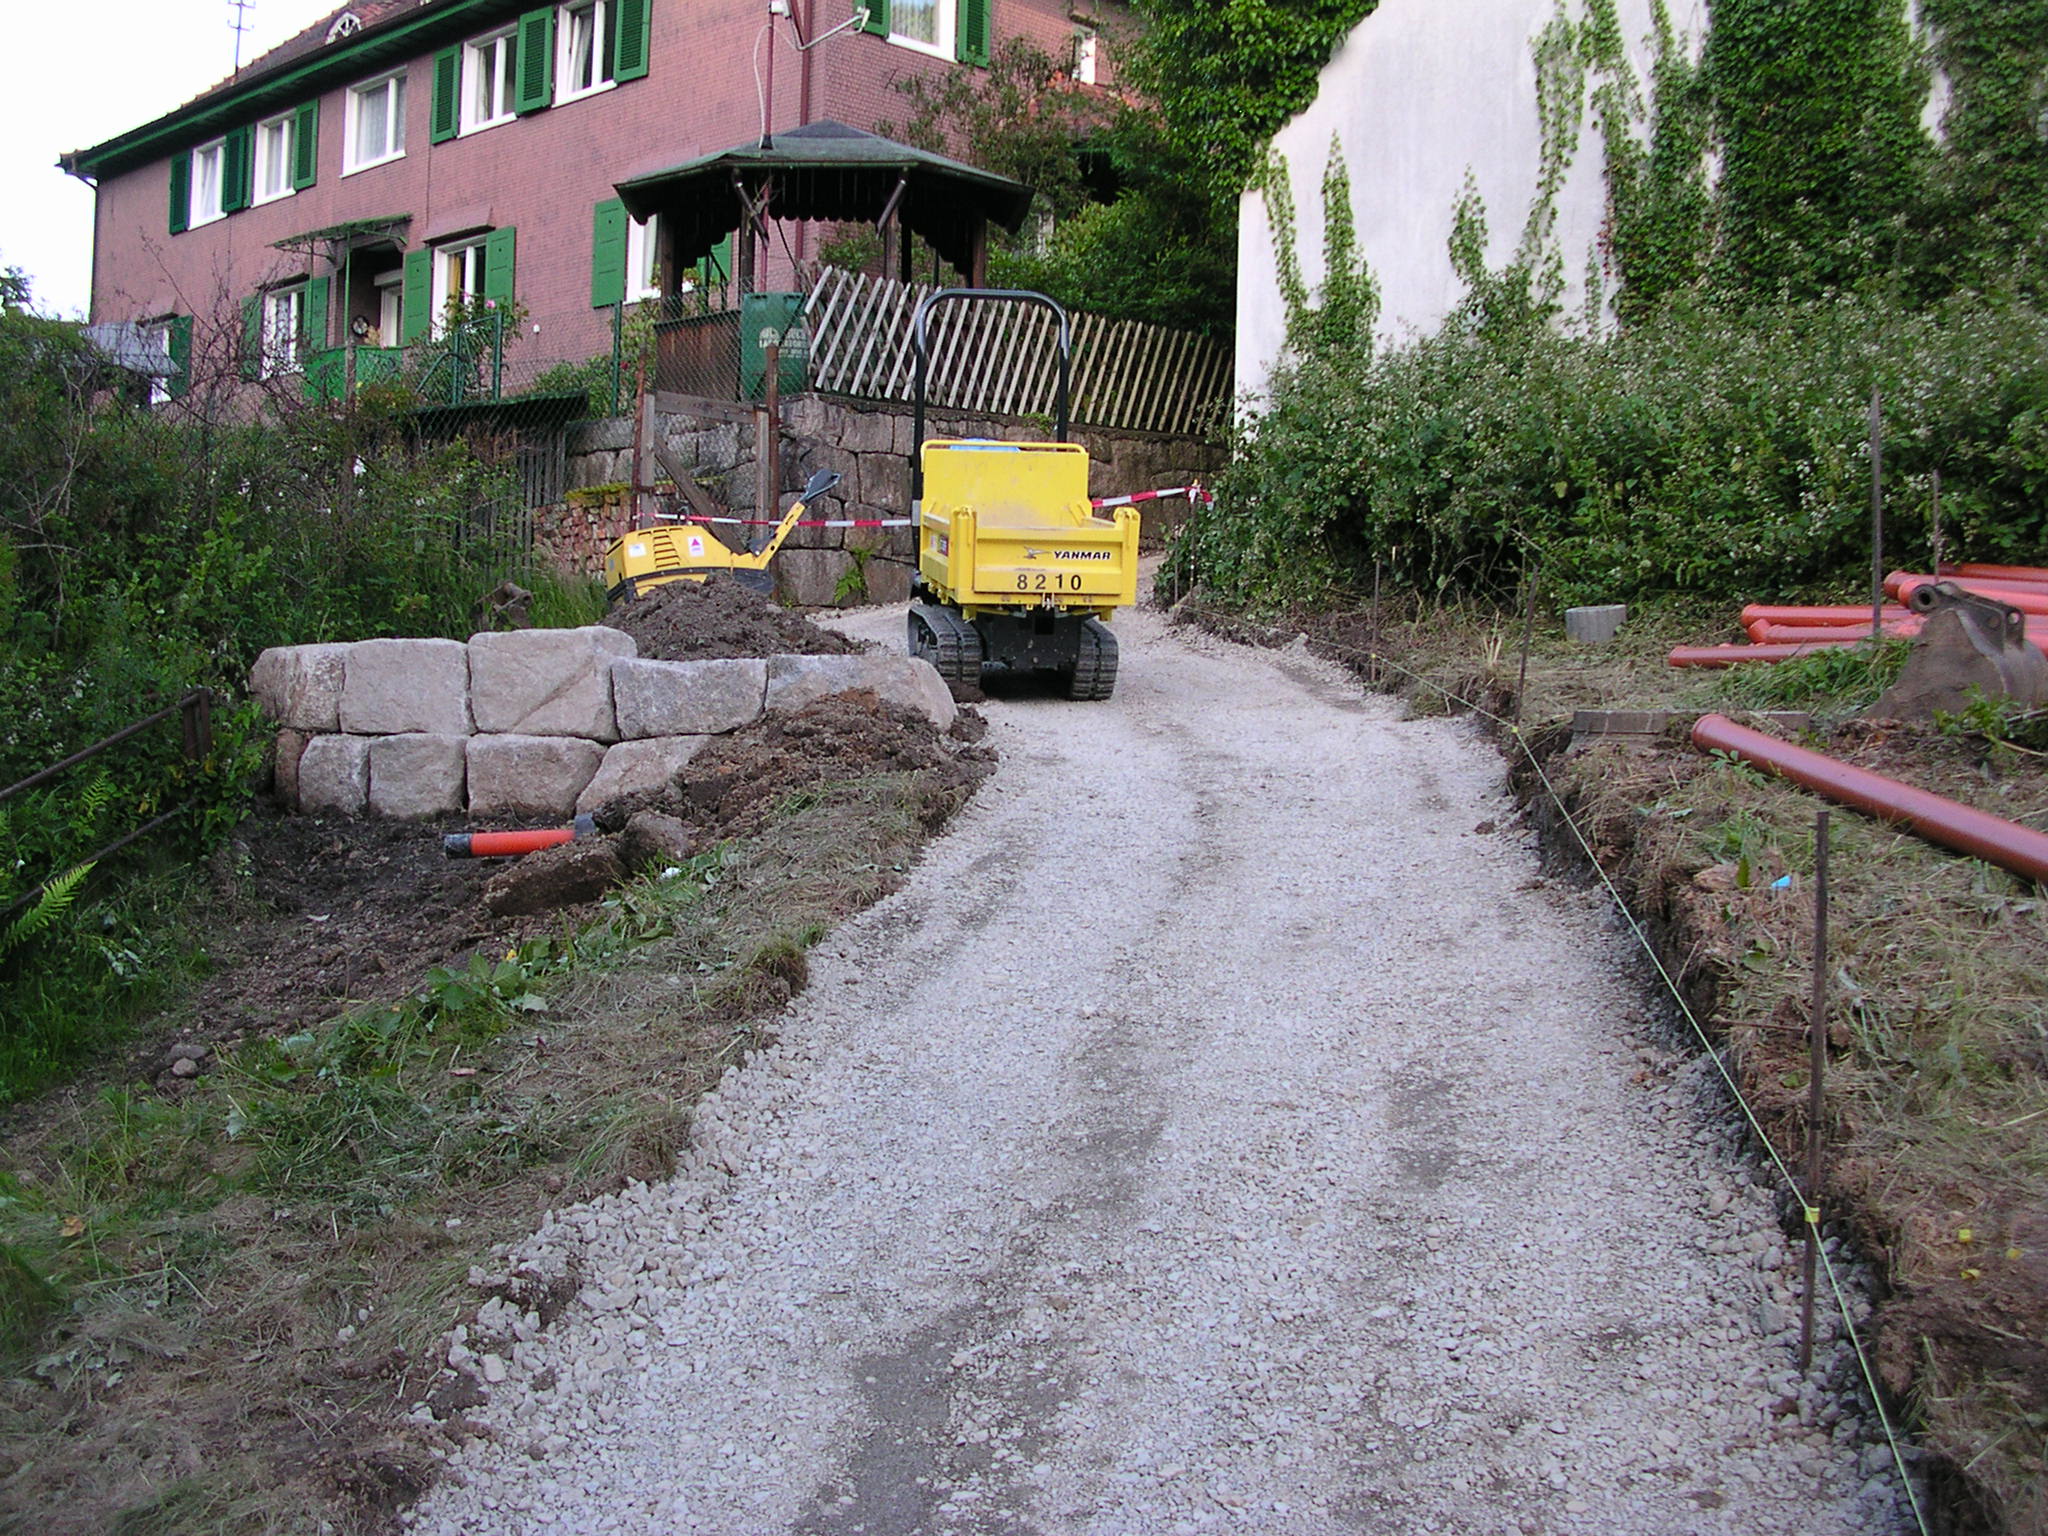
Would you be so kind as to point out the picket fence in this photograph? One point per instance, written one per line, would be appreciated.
(1002, 359)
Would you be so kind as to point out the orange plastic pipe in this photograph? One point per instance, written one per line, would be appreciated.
(2032, 575)
(1737, 655)
(1934, 817)
(505, 845)
(1842, 613)
(1903, 584)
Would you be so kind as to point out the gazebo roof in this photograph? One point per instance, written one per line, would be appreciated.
(828, 171)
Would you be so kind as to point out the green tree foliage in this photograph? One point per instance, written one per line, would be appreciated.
(146, 551)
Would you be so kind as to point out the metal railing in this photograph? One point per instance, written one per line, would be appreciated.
(195, 713)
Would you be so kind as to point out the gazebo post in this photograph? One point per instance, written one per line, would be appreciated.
(978, 257)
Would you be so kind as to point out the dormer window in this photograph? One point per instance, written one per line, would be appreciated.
(347, 24)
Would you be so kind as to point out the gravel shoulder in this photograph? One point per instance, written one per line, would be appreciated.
(1225, 1128)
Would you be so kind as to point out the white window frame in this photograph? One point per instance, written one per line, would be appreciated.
(285, 127)
(203, 211)
(643, 250)
(600, 55)
(1087, 56)
(284, 330)
(494, 55)
(394, 88)
(159, 332)
(945, 23)
(470, 255)
(390, 290)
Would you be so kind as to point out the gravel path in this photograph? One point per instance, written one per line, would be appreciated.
(1226, 1129)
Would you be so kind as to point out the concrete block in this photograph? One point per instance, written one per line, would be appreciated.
(889, 579)
(334, 775)
(291, 746)
(868, 432)
(299, 686)
(687, 698)
(547, 682)
(1594, 626)
(417, 777)
(639, 767)
(794, 681)
(529, 775)
(394, 687)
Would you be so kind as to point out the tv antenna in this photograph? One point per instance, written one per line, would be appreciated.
(240, 26)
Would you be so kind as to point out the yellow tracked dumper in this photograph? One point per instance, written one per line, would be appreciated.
(1015, 569)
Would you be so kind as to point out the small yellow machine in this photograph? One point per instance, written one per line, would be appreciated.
(651, 557)
(1015, 569)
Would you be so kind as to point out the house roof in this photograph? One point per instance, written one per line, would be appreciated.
(828, 171)
(392, 32)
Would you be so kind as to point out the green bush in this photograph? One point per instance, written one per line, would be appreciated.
(146, 552)
(1708, 449)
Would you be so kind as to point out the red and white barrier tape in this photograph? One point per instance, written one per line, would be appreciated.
(1192, 492)
(776, 522)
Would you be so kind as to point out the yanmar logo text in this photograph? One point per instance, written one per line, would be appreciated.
(1084, 554)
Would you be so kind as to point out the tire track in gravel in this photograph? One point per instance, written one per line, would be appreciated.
(1216, 1133)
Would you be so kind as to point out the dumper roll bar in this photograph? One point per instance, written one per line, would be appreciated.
(917, 342)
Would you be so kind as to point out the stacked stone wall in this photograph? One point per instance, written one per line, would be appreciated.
(541, 723)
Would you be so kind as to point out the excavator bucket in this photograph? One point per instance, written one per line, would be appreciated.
(1970, 645)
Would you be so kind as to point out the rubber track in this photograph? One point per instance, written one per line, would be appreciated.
(955, 649)
(1094, 674)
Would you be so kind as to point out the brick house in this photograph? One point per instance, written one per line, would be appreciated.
(401, 154)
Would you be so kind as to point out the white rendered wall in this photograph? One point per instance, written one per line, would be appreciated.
(1421, 92)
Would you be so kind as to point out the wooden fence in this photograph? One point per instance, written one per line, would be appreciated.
(1002, 359)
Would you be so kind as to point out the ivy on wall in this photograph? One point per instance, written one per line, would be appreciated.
(1227, 76)
(1988, 206)
(1817, 108)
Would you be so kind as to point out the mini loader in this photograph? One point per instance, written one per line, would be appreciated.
(651, 557)
(1014, 568)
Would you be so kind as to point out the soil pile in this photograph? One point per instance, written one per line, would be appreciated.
(730, 786)
(719, 618)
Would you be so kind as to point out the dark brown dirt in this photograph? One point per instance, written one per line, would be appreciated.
(703, 621)
(729, 787)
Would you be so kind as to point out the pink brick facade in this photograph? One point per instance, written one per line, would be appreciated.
(541, 175)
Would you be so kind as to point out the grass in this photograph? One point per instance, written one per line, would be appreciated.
(215, 1307)
(1938, 1074)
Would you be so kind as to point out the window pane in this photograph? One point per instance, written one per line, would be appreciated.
(397, 89)
(582, 73)
(373, 136)
(915, 18)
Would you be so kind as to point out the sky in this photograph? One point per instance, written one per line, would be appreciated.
(136, 60)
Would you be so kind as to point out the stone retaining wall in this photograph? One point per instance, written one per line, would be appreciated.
(869, 446)
(534, 723)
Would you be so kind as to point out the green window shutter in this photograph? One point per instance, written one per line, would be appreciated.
(236, 166)
(180, 381)
(878, 16)
(498, 272)
(252, 337)
(536, 65)
(629, 56)
(972, 40)
(316, 315)
(447, 95)
(608, 254)
(416, 297)
(305, 145)
(181, 193)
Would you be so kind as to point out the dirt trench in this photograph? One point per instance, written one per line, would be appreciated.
(1227, 1127)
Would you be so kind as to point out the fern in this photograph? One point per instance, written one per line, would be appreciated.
(56, 898)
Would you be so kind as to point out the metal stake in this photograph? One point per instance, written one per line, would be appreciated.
(1373, 674)
(1937, 523)
(1528, 638)
(1876, 516)
(1817, 1061)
